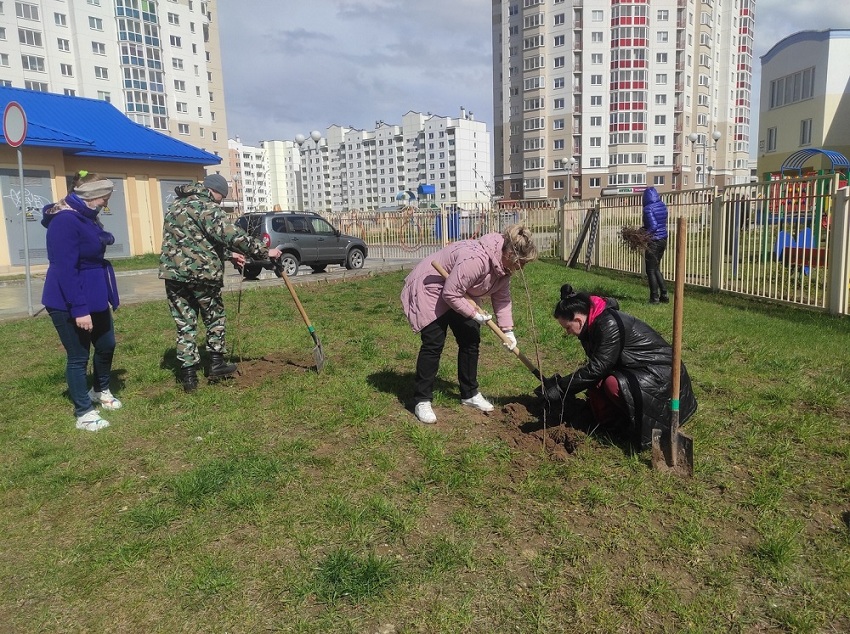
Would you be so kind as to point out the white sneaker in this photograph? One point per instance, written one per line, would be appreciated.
(91, 421)
(478, 402)
(105, 398)
(424, 412)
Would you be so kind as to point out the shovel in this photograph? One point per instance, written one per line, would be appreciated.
(526, 361)
(676, 451)
(318, 353)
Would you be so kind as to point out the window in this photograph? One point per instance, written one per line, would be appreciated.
(661, 119)
(558, 83)
(174, 19)
(597, 16)
(558, 124)
(659, 139)
(104, 96)
(663, 15)
(94, 3)
(69, 92)
(26, 11)
(660, 100)
(40, 86)
(559, 62)
(558, 144)
(662, 37)
(559, 103)
(64, 45)
(595, 182)
(596, 141)
(95, 23)
(661, 58)
(61, 19)
(30, 38)
(558, 183)
(597, 37)
(596, 100)
(98, 48)
(3, 33)
(658, 159)
(658, 180)
(792, 88)
(806, 132)
(177, 63)
(180, 85)
(4, 59)
(559, 19)
(176, 41)
(183, 128)
(596, 58)
(182, 106)
(67, 70)
(559, 40)
(101, 72)
(661, 78)
(596, 80)
(31, 62)
(595, 161)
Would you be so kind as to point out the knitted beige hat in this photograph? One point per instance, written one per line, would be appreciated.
(95, 189)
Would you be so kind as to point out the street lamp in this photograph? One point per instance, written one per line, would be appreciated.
(694, 138)
(569, 165)
(300, 139)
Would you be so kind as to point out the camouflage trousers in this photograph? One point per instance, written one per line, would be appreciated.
(185, 301)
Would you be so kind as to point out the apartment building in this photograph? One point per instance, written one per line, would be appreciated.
(805, 101)
(610, 96)
(348, 168)
(249, 184)
(157, 61)
(283, 162)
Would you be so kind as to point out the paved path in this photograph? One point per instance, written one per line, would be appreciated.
(143, 286)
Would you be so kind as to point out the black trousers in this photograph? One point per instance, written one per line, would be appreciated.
(467, 333)
(652, 260)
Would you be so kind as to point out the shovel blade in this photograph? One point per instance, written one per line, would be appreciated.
(318, 353)
(685, 457)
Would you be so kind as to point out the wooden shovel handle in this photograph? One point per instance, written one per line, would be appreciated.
(499, 332)
(297, 301)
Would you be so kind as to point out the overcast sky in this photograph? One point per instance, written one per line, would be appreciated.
(292, 66)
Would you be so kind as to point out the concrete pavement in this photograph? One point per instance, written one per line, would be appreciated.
(143, 286)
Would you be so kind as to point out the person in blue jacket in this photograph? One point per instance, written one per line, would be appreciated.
(78, 291)
(655, 223)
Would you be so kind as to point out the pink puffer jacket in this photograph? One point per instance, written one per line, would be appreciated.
(474, 268)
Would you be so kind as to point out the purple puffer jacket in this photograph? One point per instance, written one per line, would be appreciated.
(654, 214)
(474, 268)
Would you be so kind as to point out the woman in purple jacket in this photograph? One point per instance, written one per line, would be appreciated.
(78, 291)
(477, 268)
(655, 223)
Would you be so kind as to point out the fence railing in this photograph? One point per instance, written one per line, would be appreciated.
(779, 240)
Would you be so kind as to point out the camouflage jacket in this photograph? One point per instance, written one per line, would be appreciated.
(196, 234)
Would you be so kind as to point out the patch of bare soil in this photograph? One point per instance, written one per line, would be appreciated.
(256, 371)
(527, 429)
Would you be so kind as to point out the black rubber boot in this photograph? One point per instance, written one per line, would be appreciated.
(219, 368)
(662, 287)
(653, 288)
(188, 378)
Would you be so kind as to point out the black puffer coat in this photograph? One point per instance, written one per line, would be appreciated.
(621, 345)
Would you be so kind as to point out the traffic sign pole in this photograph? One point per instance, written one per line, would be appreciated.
(15, 131)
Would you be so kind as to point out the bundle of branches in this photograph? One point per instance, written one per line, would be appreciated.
(635, 238)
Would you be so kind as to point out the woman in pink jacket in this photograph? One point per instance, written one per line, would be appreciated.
(477, 268)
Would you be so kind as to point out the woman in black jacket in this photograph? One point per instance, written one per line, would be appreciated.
(627, 375)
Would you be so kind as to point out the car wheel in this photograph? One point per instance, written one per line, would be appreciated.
(251, 272)
(288, 264)
(355, 259)
(319, 269)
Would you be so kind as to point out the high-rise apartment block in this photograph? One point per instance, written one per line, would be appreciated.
(368, 169)
(157, 61)
(249, 187)
(610, 96)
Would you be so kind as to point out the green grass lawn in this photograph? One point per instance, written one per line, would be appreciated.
(287, 501)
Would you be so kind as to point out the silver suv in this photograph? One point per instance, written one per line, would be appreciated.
(304, 238)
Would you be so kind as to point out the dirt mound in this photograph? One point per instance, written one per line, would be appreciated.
(526, 429)
(256, 371)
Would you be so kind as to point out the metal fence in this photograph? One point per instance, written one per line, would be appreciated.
(780, 240)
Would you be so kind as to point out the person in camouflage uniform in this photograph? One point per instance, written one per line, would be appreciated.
(196, 234)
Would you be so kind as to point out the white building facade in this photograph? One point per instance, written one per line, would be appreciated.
(347, 168)
(283, 169)
(611, 96)
(805, 100)
(157, 61)
(249, 184)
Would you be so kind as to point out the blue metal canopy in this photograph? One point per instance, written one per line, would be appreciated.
(796, 160)
(96, 128)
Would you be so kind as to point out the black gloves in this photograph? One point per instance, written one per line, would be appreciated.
(551, 389)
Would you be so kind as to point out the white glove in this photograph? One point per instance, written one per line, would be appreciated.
(482, 318)
(509, 334)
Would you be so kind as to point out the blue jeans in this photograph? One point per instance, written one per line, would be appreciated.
(78, 345)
